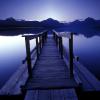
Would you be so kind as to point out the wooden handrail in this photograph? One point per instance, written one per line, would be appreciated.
(33, 36)
(43, 36)
(58, 39)
(31, 52)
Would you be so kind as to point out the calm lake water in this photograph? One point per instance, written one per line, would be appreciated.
(12, 52)
(88, 50)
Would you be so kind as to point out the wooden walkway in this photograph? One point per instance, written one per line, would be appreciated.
(50, 70)
(50, 76)
(62, 94)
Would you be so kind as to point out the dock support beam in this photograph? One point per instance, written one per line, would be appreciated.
(28, 56)
(40, 44)
(60, 47)
(71, 55)
(37, 48)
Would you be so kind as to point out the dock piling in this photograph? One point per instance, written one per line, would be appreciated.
(28, 56)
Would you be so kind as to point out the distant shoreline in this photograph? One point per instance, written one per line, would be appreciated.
(3, 28)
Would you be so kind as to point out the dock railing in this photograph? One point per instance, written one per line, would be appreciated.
(40, 39)
(86, 80)
(77, 70)
(12, 86)
(59, 42)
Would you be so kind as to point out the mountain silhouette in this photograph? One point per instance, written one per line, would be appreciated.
(88, 22)
(51, 23)
(87, 27)
(89, 19)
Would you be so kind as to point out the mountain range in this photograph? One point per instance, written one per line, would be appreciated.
(89, 25)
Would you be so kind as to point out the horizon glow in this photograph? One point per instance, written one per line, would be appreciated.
(62, 10)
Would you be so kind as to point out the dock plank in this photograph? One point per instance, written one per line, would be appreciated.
(62, 94)
(50, 70)
(50, 77)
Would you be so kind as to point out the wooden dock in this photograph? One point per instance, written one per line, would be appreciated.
(50, 71)
(53, 94)
(48, 75)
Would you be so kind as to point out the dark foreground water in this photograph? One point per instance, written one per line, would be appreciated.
(12, 52)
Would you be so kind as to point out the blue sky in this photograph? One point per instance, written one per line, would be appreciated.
(62, 10)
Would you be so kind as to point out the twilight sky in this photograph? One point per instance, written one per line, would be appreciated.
(62, 10)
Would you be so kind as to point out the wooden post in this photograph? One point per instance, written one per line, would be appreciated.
(37, 49)
(28, 56)
(46, 35)
(71, 55)
(61, 46)
(43, 39)
(54, 35)
(40, 44)
(56, 40)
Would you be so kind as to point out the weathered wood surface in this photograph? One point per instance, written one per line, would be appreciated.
(62, 94)
(50, 70)
(82, 75)
(50, 74)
